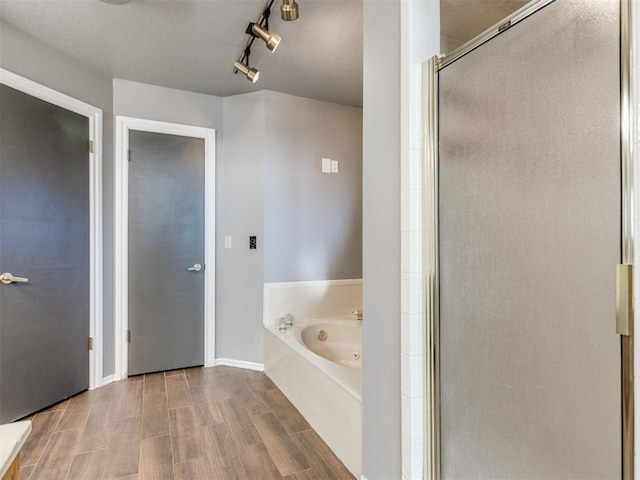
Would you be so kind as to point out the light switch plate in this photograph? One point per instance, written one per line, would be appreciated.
(326, 165)
(227, 242)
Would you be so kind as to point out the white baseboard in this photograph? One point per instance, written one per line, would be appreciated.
(228, 362)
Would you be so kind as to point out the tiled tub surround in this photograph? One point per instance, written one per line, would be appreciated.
(327, 393)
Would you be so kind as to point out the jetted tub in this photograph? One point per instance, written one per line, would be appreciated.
(318, 366)
(339, 341)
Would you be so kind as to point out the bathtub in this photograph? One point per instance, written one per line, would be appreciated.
(318, 366)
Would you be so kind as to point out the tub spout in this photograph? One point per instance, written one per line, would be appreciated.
(358, 314)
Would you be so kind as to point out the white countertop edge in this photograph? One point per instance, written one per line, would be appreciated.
(12, 438)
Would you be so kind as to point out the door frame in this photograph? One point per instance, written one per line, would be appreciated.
(94, 115)
(430, 255)
(121, 230)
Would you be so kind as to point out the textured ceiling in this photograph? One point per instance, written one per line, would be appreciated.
(191, 44)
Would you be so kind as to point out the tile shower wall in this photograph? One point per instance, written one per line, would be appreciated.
(419, 42)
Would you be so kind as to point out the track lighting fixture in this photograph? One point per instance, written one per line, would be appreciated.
(289, 10)
(260, 29)
(271, 39)
(251, 73)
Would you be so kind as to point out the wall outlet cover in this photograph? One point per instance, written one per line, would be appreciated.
(334, 166)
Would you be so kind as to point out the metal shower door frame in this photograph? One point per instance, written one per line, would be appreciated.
(121, 254)
(431, 376)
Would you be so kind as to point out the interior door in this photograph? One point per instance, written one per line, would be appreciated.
(166, 251)
(530, 202)
(44, 242)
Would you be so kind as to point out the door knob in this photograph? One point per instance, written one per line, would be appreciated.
(7, 278)
(196, 267)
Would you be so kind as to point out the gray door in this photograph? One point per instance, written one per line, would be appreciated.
(44, 237)
(529, 239)
(166, 245)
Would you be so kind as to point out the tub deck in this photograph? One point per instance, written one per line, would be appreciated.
(327, 394)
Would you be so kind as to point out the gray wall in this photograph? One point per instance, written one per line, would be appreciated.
(141, 100)
(240, 214)
(312, 220)
(307, 223)
(26, 56)
(381, 241)
(328, 222)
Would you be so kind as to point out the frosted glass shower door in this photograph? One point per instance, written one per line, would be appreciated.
(529, 217)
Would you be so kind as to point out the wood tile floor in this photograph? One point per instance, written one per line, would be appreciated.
(200, 423)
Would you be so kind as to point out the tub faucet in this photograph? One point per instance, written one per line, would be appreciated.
(288, 320)
(358, 314)
(282, 324)
(285, 323)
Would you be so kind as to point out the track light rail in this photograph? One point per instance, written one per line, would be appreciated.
(260, 29)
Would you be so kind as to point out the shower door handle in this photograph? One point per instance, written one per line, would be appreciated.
(196, 267)
(7, 279)
(624, 299)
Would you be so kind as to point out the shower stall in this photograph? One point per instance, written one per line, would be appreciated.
(528, 212)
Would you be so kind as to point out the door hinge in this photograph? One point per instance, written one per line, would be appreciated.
(128, 336)
(129, 155)
(90, 146)
(90, 343)
(624, 299)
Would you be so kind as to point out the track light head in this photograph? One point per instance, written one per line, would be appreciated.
(271, 39)
(251, 73)
(289, 10)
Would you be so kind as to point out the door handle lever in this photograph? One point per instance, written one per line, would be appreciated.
(7, 278)
(196, 267)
